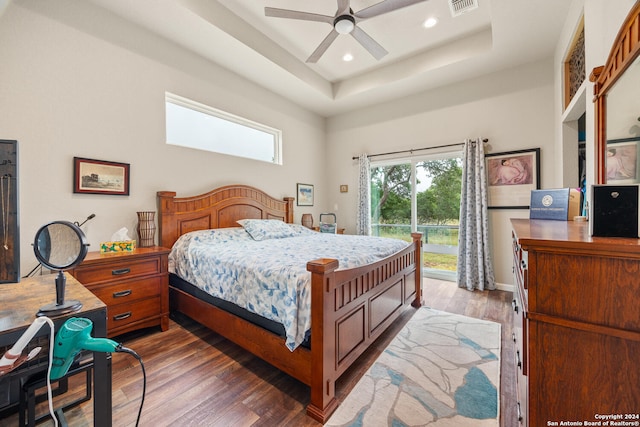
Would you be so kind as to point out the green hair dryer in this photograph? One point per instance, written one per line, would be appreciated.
(73, 337)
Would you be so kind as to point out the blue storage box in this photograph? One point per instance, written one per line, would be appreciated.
(558, 204)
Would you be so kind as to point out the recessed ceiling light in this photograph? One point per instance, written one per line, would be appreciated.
(347, 57)
(430, 22)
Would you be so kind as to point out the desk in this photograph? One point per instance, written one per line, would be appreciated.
(20, 303)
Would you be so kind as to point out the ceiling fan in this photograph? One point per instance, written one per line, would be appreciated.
(345, 21)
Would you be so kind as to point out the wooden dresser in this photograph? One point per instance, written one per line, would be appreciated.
(134, 286)
(576, 324)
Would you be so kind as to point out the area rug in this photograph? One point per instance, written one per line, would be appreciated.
(442, 369)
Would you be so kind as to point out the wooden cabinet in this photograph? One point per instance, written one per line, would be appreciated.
(338, 231)
(576, 324)
(134, 286)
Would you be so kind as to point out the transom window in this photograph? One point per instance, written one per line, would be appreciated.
(194, 125)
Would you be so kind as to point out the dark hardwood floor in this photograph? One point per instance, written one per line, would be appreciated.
(197, 378)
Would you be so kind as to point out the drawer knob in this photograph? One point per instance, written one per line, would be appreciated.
(121, 294)
(122, 316)
(120, 271)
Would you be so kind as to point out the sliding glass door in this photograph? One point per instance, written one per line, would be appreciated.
(423, 195)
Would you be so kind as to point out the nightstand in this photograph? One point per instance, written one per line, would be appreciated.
(134, 286)
(339, 231)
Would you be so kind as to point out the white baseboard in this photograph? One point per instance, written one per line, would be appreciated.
(450, 276)
(504, 287)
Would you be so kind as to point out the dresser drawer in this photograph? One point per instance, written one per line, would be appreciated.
(121, 315)
(126, 291)
(122, 269)
(134, 286)
(520, 333)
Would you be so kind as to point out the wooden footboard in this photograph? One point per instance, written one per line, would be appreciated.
(350, 309)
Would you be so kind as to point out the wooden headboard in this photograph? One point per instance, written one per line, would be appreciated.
(217, 208)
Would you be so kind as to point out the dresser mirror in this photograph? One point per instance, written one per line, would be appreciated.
(617, 107)
(60, 245)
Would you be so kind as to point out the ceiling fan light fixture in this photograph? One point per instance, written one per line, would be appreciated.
(344, 24)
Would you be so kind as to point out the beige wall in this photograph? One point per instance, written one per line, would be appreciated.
(65, 93)
(69, 89)
(513, 109)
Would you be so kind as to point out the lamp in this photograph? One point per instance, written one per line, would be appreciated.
(344, 24)
(80, 224)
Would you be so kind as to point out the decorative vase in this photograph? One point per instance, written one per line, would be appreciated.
(307, 220)
(146, 229)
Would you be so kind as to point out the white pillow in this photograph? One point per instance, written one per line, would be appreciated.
(263, 229)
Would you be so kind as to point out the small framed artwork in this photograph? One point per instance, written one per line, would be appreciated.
(305, 195)
(511, 177)
(92, 176)
(622, 161)
(344, 188)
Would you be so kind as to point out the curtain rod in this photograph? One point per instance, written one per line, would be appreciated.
(416, 149)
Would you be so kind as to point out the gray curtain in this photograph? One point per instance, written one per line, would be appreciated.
(475, 270)
(363, 222)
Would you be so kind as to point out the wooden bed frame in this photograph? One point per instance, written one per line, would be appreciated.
(349, 308)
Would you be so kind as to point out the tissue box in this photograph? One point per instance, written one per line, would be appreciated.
(559, 204)
(119, 246)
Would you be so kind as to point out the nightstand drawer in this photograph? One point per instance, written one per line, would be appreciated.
(134, 286)
(123, 269)
(126, 291)
(123, 314)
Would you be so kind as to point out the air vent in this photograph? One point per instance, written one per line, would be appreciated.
(458, 7)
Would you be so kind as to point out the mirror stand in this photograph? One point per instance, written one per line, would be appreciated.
(60, 245)
(61, 306)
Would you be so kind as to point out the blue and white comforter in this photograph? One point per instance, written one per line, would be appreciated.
(269, 276)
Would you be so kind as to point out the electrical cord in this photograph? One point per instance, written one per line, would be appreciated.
(32, 271)
(122, 349)
(49, 392)
(119, 349)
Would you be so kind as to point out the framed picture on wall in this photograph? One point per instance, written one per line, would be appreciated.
(100, 177)
(623, 161)
(304, 195)
(511, 176)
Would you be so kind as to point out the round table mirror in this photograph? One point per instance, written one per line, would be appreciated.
(60, 245)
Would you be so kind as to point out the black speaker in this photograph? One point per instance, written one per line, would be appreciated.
(614, 210)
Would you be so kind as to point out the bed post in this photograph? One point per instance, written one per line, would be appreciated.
(323, 336)
(417, 240)
(167, 229)
(289, 209)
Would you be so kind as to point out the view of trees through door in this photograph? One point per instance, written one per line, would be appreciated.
(420, 195)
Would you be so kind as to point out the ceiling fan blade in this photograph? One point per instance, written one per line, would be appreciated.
(320, 50)
(384, 7)
(294, 14)
(368, 43)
